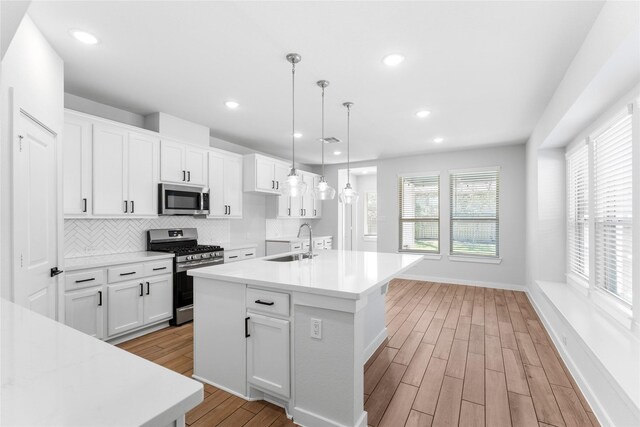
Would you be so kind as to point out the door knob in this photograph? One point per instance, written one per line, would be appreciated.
(55, 271)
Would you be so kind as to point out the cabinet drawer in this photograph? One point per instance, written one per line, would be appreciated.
(318, 244)
(248, 253)
(232, 256)
(125, 272)
(328, 243)
(84, 279)
(269, 302)
(159, 267)
(296, 246)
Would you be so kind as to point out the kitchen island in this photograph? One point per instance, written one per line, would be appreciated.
(296, 333)
(53, 375)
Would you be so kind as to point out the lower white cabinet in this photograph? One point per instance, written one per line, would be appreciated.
(139, 303)
(84, 311)
(125, 307)
(158, 302)
(268, 353)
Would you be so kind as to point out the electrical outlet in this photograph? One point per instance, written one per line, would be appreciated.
(564, 339)
(316, 329)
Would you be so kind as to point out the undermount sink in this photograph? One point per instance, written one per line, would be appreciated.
(289, 258)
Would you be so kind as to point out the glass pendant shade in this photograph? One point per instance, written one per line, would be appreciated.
(349, 196)
(323, 191)
(294, 186)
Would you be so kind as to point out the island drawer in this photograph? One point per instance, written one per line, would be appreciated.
(269, 302)
(125, 272)
(84, 279)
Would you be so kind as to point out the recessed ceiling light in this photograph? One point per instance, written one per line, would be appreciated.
(337, 153)
(393, 59)
(232, 105)
(438, 140)
(423, 113)
(84, 37)
(297, 135)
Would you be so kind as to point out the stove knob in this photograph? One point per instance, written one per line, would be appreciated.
(189, 257)
(203, 256)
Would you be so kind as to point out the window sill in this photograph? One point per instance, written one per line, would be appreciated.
(476, 259)
(426, 255)
(370, 238)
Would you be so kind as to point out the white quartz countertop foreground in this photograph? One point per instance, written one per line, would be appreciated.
(53, 375)
(345, 274)
(95, 261)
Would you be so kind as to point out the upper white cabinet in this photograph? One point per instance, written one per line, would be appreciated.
(225, 184)
(263, 174)
(76, 170)
(300, 207)
(183, 163)
(125, 172)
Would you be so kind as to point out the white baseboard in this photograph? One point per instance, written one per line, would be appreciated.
(135, 334)
(373, 345)
(307, 419)
(497, 285)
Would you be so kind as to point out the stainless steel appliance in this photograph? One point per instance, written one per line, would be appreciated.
(183, 243)
(175, 199)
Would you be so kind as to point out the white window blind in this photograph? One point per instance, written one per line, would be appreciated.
(474, 220)
(612, 175)
(371, 219)
(419, 201)
(578, 211)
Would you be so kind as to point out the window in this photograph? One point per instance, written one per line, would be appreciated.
(419, 212)
(612, 181)
(578, 212)
(371, 212)
(600, 211)
(474, 222)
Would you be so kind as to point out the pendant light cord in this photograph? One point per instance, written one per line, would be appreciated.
(322, 141)
(348, 143)
(293, 115)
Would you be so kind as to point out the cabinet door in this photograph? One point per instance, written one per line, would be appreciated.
(265, 179)
(308, 199)
(109, 173)
(142, 166)
(268, 353)
(83, 310)
(233, 185)
(281, 171)
(158, 299)
(196, 166)
(317, 204)
(76, 170)
(172, 162)
(125, 307)
(217, 204)
(284, 206)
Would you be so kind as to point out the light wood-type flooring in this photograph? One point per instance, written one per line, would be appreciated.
(455, 355)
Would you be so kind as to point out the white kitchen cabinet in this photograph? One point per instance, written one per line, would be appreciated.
(182, 163)
(225, 185)
(84, 311)
(126, 307)
(76, 170)
(158, 299)
(125, 172)
(109, 170)
(268, 354)
(264, 174)
(240, 254)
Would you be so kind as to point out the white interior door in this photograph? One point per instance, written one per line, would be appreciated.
(35, 216)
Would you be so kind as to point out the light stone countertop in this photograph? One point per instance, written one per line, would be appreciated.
(336, 273)
(96, 261)
(53, 375)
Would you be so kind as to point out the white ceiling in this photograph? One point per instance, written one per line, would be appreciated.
(486, 70)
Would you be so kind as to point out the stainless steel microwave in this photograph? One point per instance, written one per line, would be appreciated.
(175, 199)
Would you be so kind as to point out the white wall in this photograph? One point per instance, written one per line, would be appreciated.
(84, 105)
(175, 127)
(35, 72)
(511, 160)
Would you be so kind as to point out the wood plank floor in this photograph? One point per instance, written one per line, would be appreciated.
(455, 355)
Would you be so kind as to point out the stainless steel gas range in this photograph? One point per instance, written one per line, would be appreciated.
(183, 243)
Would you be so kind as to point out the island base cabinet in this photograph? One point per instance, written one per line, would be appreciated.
(268, 354)
(84, 311)
(126, 308)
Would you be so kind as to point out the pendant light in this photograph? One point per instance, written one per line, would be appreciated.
(294, 186)
(348, 196)
(323, 191)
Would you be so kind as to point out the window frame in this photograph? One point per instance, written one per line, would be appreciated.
(458, 256)
(365, 235)
(436, 220)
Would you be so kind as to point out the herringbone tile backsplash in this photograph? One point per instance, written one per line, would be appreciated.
(83, 237)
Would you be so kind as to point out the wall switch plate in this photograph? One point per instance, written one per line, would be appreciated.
(316, 329)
